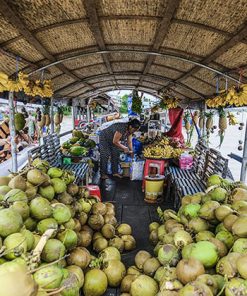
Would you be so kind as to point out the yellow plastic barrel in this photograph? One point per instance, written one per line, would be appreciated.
(154, 187)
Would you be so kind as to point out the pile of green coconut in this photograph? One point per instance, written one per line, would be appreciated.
(55, 238)
(200, 250)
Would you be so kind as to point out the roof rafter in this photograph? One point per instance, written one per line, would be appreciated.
(90, 7)
(12, 16)
(161, 31)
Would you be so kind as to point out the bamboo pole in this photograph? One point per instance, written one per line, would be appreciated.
(52, 115)
(244, 161)
(12, 131)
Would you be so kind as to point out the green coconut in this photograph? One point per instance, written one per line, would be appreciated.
(222, 212)
(110, 253)
(240, 246)
(242, 266)
(209, 280)
(182, 238)
(218, 194)
(10, 222)
(239, 227)
(69, 238)
(29, 238)
(207, 210)
(15, 195)
(22, 208)
(15, 245)
(118, 243)
(191, 210)
(53, 250)
(205, 252)
(236, 286)
(72, 189)
(141, 257)
(153, 226)
(144, 285)
(18, 182)
(31, 191)
(30, 224)
(150, 266)
(4, 189)
(36, 177)
(36, 240)
(61, 213)
(49, 277)
(168, 254)
(76, 270)
(47, 192)
(40, 208)
(58, 185)
(115, 272)
(204, 235)
(227, 266)
(195, 288)
(48, 223)
(65, 198)
(55, 172)
(198, 224)
(70, 224)
(238, 194)
(214, 180)
(95, 283)
(80, 257)
(226, 237)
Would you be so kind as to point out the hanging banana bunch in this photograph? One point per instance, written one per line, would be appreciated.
(201, 120)
(58, 118)
(222, 124)
(232, 120)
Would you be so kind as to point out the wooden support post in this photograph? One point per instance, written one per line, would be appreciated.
(73, 116)
(244, 161)
(204, 133)
(12, 132)
(52, 115)
(88, 114)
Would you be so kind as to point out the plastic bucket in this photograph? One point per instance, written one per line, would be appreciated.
(154, 187)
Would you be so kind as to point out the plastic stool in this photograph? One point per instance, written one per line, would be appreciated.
(160, 165)
(94, 191)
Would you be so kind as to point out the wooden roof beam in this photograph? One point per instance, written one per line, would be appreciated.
(12, 16)
(91, 11)
(161, 32)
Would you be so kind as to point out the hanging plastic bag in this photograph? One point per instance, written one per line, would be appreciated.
(136, 170)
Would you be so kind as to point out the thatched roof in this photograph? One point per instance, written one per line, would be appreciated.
(70, 37)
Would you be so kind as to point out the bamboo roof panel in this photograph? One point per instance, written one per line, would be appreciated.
(162, 71)
(79, 91)
(156, 80)
(125, 66)
(8, 65)
(221, 14)
(25, 49)
(211, 78)
(67, 37)
(84, 61)
(71, 89)
(91, 70)
(41, 13)
(187, 93)
(150, 85)
(130, 81)
(61, 81)
(103, 84)
(193, 40)
(129, 31)
(235, 57)
(170, 62)
(131, 7)
(101, 78)
(127, 57)
(198, 85)
(7, 31)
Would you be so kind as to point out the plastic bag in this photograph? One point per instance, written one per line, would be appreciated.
(136, 170)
